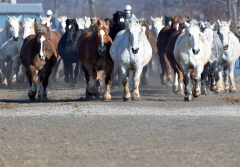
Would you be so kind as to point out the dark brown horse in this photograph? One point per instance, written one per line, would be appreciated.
(162, 41)
(169, 53)
(39, 55)
(93, 51)
(153, 42)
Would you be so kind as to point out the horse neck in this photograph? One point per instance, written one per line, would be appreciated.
(6, 32)
(209, 36)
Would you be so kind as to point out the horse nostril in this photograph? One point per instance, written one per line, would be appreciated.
(225, 47)
(135, 51)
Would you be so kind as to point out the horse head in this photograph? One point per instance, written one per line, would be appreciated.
(44, 20)
(157, 24)
(193, 34)
(29, 27)
(42, 37)
(81, 23)
(62, 23)
(71, 29)
(13, 25)
(223, 31)
(102, 35)
(135, 31)
(175, 22)
(119, 20)
(87, 22)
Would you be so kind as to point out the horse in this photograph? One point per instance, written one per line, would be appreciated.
(211, 69)
(46, 20)
(61, 29)
(93, 52)
(39, 55)
(12, 30)
(131, 50)
(67, 50)
(157, 25)
(153, 42)
(84, 23)
(230, 55)
(192, 50)
(162, 41)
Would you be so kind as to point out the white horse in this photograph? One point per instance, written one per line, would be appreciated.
(44, 20)
(11, 49)
(157, 25)
(131, 50)
(84, 23)
(193, 50)
(11, 30)
(61, 29)
(231, 54)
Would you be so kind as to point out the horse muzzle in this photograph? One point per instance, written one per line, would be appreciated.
(135, 51)
(15, 38)
(42, 57)
(102, 51)
(196, 51)
(226, 47)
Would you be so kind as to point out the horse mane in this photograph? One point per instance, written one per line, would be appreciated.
(147, 31)
(134, 22)
(117, 14)
(42, 29)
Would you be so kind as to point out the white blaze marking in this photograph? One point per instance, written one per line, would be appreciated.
(70, 26)
(41, 40)
(102, 33)
(177, 26)
(122, 20)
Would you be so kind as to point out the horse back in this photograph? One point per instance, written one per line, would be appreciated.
(162, 40)
(153, 42)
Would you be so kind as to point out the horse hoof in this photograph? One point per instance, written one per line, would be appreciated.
(232, 91)
(204, 92)
(32, 95)
(188, 98)
(127, 97)
(213, 88)
(196, 93)
(107, 97)
(164, 82)
(175, 89)
(5, 82)
(73, 85)
(67, 80)
(96, 95)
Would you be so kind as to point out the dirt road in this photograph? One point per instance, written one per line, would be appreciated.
(159, 130)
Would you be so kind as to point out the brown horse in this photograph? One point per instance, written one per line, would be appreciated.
(169, 53)
(162, 41)
(39, 55)
(153, 42)
(93, 52)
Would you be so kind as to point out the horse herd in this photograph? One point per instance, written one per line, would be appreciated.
(112, 47)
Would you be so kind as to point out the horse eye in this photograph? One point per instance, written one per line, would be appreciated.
(189, 34)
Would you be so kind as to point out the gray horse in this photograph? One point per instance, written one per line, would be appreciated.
(211, 69)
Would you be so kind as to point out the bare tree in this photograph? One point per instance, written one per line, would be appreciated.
(232, 10)
(92, 8)
(56, 2)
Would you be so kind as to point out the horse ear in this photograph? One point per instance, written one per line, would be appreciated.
(213, 25)
(229, 22)
(41, 17)
(152, 18)
(161, 18)
(173, 17)
(8, 18)
(186, 24)
(98, 23)
(102, 18)
(108, 23)
(19, 18)
(219, 23)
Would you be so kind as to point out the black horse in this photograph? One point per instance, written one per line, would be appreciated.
(67, 50)
(117, 24)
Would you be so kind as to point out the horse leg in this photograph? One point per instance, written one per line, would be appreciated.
(67, 66)
(135, 92)
(186, 79)
(225, 77)
(98, 83)
(204, 76)
(108, 72)
(13, 77)
(180, 79)
(71, 74)
(55, 74)
(144, 76)
(175, 82)
(127, 94)
(220, 83)
(168, 71)
(44, 84)
(231, 76)
(114, 75)
(3, 68)
(214, 76)
(33, 90)
(86, 74)
(197, 78)
(163, 76)
(22, 75)
(92, 84)
(76, 73)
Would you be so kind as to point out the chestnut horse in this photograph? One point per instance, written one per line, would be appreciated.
(93, 52)
(162, 41)
(39, 55)
(153, 42)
